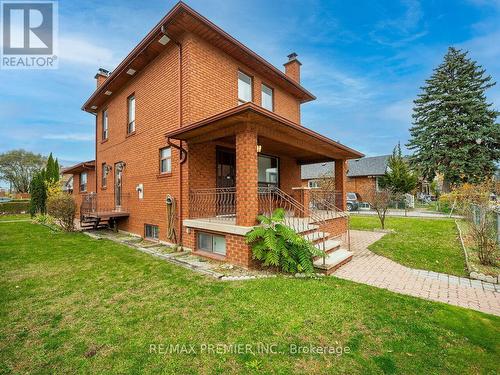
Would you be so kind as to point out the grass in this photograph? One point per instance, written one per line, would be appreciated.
(430, 244)
(71, 304)
(14, 217)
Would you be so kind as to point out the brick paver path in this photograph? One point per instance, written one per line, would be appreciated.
(372, 269)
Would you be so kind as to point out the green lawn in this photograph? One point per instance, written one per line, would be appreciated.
(14, 217)
(430, 244)
(71, 304)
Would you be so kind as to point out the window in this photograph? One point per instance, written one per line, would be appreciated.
(212, 243)
(268, 170)
(267, 98)
(166, 160)
(377, 186)
(104, 124)
(244, 88)
(151, 232)
(313, 184)
(83, 181)
(131, 114)
(104, 175)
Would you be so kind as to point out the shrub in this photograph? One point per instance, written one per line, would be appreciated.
(62, 207)
(277, 245)
(14, 207)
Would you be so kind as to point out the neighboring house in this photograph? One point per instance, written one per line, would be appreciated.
(362, 174)
(67, 182)
(196, 136)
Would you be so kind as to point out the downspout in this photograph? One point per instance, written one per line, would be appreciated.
(182, 151)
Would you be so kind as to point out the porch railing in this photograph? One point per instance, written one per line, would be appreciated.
(214, 204)
(93, 203)
(326, 203)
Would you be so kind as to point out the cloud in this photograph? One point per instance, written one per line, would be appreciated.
(76, 137)
(78, 50)
(399, 111)
(395, 32)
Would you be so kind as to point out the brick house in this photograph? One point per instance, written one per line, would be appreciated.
(362, 174)
(196, 135)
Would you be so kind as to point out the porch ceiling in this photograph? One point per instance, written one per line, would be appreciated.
(276, 134)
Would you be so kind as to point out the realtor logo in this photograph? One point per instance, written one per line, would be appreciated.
(29, 34)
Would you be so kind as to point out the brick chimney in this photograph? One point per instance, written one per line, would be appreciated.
(292, 67)
(101, 76)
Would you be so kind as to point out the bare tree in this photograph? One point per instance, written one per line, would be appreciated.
(380, 201)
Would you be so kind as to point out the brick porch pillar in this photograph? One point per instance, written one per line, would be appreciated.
(340, 183)
(247, 202)
(303, 196)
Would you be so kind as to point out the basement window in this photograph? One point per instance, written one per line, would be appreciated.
(212, 243)
(151, 232)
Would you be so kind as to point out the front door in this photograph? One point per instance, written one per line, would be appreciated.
(118, 184)
(225, 198)
(226, 168)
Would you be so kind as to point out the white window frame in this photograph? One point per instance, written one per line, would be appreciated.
(105, 125)
(269, 107)
(167, 159)
(215, 239)
(242, 88)
(131, 114)
(155, 231)
(313, 184)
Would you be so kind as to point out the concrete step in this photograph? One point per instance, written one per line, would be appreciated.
(330, 245)
(333, 261)
(315, 236)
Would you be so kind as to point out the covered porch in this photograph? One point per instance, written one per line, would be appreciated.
(246, 161)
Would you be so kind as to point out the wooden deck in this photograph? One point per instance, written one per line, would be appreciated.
(107, 214)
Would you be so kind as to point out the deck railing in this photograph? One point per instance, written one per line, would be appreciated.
(93, 203)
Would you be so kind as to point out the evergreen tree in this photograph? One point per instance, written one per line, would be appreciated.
(52, 170)
(454, 131)
(399, 179)
(38, 193)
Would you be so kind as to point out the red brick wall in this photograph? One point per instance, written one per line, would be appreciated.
(364, 186)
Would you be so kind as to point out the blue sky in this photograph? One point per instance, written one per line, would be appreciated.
(364, 60)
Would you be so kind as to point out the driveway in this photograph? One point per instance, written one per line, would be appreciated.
(372, 269)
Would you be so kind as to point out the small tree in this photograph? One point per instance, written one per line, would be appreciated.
(277, 245)
(62, 207)
(399, 179)
(38, 193)
(380, 201)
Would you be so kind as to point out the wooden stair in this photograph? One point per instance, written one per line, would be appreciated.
(92, 222)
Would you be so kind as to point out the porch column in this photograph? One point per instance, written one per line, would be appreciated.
(247, 202)
(340, 183)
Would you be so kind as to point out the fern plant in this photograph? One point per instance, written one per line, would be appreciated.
(276, 245)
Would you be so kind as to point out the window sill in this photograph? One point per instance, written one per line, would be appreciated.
(104, 140)
(130, 134)
(164, 175)
(208, 254)
(104, 188)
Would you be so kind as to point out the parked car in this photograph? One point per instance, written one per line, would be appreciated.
(352, 202)
(5, 199)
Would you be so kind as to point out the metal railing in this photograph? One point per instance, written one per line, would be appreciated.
(217, 204)
(326, 203)
(95, 203)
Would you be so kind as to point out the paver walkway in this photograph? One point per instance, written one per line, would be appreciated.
(372, 269)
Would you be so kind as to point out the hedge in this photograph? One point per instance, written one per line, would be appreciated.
(14, 207)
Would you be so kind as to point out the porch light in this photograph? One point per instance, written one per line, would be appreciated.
(131, 72)
(164, 40)
(108, 93)
(259, 148)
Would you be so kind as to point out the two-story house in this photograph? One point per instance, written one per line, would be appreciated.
(196, 135)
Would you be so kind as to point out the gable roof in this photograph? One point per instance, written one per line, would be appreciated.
(179, 19)
(371, 166)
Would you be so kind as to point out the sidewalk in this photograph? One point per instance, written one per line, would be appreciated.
(416, 213)
(376, 270)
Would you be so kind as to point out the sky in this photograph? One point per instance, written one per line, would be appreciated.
(364, 60)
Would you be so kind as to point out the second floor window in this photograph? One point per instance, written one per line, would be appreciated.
(104, 179)
(105, 129)
(244, 88)
(131, 114)
(83, 181)
(267, 97)
(166, 160)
